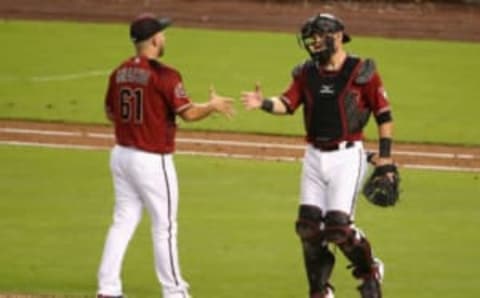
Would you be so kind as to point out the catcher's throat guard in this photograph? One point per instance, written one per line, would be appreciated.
(382, 187)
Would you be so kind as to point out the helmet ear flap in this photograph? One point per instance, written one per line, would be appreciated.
(300, 41)
(305, 31)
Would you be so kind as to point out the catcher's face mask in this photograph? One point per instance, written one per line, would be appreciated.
(316, 36)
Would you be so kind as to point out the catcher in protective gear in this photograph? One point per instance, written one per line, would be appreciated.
(338, 92)
(382, 187)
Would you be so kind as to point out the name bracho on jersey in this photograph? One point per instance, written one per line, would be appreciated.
(132, 75)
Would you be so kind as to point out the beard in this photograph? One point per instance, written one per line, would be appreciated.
(323, 56)
(161, 52)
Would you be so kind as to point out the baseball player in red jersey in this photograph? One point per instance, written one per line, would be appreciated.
(143, 99)
(338, 92)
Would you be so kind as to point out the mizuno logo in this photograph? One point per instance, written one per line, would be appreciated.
(326, 89)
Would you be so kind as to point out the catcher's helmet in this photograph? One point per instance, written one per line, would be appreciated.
(323, 23)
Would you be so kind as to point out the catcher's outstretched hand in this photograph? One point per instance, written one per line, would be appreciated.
(252, 100)
(221, 104)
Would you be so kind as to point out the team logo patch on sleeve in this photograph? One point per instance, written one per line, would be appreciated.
(382, 92)
(180, 91)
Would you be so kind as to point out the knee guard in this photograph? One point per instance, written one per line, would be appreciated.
(308, 225)
(338, 227)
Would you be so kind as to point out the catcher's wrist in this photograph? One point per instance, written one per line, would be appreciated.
(385, 147)
(381, 161)
(267, 105)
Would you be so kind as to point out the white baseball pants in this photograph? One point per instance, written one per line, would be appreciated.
(331, 180)
(149, 180)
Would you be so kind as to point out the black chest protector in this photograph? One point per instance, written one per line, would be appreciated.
(324, 112)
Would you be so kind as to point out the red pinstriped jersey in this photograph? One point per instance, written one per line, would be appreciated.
(143, 99)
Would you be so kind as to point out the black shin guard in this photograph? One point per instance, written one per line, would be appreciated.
(319, 261)
(359, 252)
(357, 249)
(340, 230)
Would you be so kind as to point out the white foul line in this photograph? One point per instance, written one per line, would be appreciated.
(100, 135)
(441, 168)
(227, 155)
(40, 132)
(216, 142)
(239, 156)
(71, 76)
(434, 154)
(230, 143)
(60, 77)
(242, 143)
(53, 145)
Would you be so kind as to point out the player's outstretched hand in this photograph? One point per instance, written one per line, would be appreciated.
(252, 100)
(221, 104)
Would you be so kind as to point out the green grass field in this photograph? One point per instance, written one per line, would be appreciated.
(236, 229)
(57, 71)
(236, 224)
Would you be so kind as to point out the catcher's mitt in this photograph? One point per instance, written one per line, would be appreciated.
(382, 187)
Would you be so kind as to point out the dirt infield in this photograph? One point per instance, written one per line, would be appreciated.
(374, 18)
(232, 145)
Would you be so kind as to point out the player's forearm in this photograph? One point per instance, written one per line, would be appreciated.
(274, 105)
(385, 130)
(197, 112)
(385, 134)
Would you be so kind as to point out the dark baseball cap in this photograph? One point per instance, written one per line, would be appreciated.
(146, 25)
(325, 23)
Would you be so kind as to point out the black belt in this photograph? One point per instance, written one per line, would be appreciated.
(332, 147)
